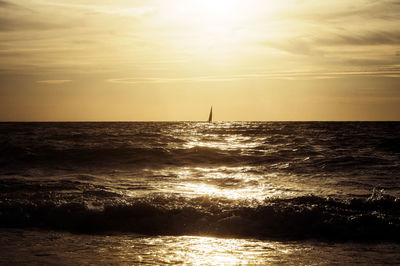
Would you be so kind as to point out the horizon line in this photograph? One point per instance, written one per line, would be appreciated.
(175, 121)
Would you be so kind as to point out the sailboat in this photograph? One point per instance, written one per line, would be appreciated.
(210, 116)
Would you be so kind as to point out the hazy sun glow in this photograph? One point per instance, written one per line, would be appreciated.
(206, 14)
(216, 24)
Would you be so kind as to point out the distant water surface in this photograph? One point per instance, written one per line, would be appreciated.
(262, 182)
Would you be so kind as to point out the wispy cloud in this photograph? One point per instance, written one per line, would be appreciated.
(298, 45)
(361, 38)
(28, 24)
(24, 17)
(7, 4)
(316, 45)
(54, 81)
(277, 75)
(111, 10)
(339, 10)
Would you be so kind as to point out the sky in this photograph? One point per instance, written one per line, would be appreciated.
(170, 60)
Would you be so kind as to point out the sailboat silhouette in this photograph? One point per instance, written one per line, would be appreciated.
(210, 116)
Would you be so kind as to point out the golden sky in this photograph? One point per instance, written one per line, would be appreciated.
(139, 60)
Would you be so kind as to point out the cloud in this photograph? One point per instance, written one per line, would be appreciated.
(306, 75)
(111, 10)
(54, 81)
(339, 11)
(299, 46)
(375, 62)
(6, 4)
(327, 32)
(370, 50)
(12, 24)
(27, 18)
(176, 80)
(366, 38)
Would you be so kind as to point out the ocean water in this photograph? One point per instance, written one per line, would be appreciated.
(195, 192)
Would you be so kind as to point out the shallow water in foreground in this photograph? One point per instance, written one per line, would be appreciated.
(60, 248)
(294, 192)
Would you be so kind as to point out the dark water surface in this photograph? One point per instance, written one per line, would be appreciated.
(269, 183)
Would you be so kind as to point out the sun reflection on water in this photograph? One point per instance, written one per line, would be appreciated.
(203, 250)
(228, 182)
(235, 183)
(222, 143)
(115, 249)
(202, 189)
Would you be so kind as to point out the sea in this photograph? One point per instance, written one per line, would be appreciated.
(296, 193)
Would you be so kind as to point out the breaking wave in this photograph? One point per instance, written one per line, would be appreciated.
(374, 218)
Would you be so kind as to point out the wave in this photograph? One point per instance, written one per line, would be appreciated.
(298, 160)
(119, 156)
(374, 218)
(328, 147)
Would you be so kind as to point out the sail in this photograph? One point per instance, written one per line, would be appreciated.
(210, 116)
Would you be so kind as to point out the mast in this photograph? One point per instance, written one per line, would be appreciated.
(210, 116)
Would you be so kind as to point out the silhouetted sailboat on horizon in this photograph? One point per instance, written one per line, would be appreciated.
(210, 116)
